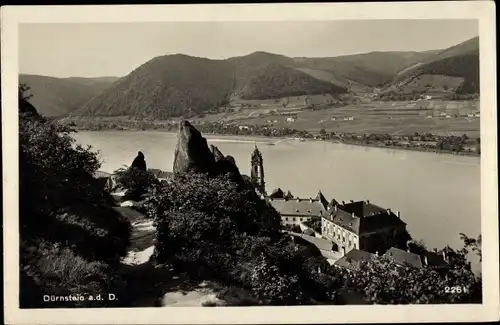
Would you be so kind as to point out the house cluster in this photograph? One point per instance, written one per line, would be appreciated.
(346, 234)
(350, 233)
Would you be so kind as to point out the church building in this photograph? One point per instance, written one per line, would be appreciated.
(257, 172)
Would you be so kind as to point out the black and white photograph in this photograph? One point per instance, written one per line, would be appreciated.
(249, 163)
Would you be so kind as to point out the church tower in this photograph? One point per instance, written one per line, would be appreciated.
(257, 172)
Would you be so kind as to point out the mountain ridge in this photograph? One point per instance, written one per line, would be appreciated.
(182, 85)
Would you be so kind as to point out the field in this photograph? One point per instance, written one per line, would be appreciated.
(437, 117)
(400, 117)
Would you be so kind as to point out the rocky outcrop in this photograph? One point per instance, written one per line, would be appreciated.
(231, 159)
(216, 152)
(192, 154)
(139, 162)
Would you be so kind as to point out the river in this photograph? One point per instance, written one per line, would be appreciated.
(438, 195)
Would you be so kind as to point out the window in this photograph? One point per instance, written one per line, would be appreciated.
(293, 219)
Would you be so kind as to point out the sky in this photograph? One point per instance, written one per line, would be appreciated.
(115, 49)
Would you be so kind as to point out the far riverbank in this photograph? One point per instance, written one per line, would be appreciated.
(273, 139)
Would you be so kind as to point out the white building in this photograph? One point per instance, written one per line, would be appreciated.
(297, 210)
(362, 225)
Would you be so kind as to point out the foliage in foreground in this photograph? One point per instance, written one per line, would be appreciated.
(70, 236)
(210, 230)
(136, 182)
(383, 282)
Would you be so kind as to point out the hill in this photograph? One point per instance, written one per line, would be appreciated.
(56, 97)
(368, 69)
(276, 81)
(244, 66)
(453, 70)
(170, 85)
(180, 85)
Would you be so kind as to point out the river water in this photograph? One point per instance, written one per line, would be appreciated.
(438, 195)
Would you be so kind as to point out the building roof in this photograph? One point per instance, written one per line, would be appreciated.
(402, 257)
(322, 244)
(354, 258)
(298, 207)
(362, 208)
(362, 218)
(309, 232)
(332, 204)
(344, 220)
(320, 197)
(256, 153)
(433, 259)
(277, 194)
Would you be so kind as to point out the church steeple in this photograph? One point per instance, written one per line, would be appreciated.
(257, 172)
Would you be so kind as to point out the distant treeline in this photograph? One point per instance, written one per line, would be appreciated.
(422, 142)
(415, 95)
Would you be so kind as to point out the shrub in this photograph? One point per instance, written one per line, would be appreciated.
(208, 228)
(51, 269)
(209, 303)
(237, 296)
(95, 232)
(269, 283)
(137, 182)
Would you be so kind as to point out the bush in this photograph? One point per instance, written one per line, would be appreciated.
(136, 182)
(95, 232)
(205, 226)
(237, 296)
(51, 269)
(209, 303)
(269, 283)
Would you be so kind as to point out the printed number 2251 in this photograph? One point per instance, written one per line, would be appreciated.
(456, 289)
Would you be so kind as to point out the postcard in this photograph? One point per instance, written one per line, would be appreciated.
(280, 163)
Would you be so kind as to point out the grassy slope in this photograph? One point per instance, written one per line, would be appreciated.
(460, 61)
(369, 69)
(60, 96)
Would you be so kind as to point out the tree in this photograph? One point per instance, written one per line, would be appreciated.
(194, 209)
(24, 92)
(285, 101)
(472, 243)
(384, 282)
(269, 283)
(136, 182)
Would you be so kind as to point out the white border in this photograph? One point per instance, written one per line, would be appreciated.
(484, 11)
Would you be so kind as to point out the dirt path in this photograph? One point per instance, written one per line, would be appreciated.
(150, 285)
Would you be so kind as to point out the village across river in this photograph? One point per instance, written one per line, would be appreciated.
(438, 195)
